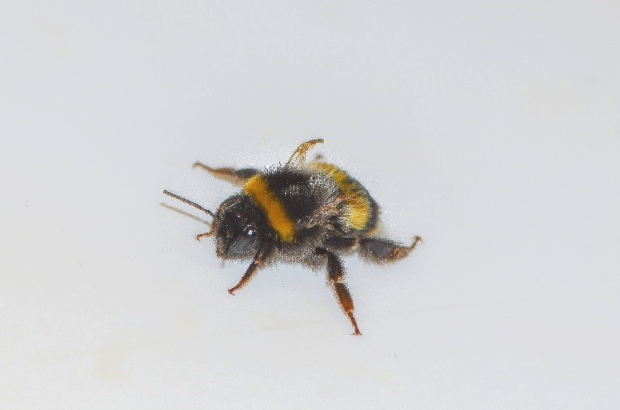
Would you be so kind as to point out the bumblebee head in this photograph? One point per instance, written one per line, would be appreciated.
(239, 228)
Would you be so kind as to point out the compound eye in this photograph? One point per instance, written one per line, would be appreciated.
(250, 230)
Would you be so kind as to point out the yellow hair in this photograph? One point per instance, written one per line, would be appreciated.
(357, 203)
(258, 189)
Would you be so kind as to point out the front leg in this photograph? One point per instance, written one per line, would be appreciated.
(335, 278)
(259, 260)
(235, 176)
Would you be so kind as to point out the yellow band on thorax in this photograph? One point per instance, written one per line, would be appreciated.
(258, 189)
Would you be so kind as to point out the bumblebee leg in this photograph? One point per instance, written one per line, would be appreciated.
(205, 234)
(260, 258)
(232, 175)
(335, 277)
(299, 156)
(341, 244)
(384, 250)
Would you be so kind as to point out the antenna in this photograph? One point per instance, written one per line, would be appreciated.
(188, 202)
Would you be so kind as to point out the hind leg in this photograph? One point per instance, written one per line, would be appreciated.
(341, 244)
(232, 175)
(385, 250)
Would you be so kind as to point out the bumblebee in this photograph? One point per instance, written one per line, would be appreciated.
(307, 212)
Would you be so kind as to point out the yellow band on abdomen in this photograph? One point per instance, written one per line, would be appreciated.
(258, 189)
(359, 211)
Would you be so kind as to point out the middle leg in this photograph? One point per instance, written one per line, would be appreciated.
(335, 277)
(299, 156)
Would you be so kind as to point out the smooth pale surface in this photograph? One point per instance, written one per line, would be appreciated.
(490, 129)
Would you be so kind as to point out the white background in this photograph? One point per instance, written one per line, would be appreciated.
(490, 129)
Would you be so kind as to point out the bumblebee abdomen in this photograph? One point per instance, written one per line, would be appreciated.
(361, 211)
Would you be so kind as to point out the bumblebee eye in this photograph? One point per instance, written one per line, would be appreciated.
(250, 231)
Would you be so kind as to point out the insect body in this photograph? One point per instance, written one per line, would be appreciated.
(308, 212)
